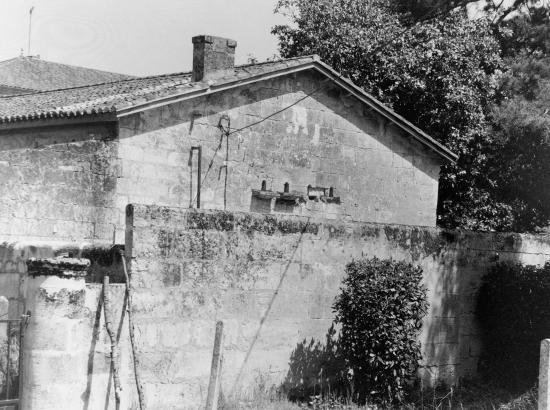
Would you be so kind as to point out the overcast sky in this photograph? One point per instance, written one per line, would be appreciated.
(138, 37)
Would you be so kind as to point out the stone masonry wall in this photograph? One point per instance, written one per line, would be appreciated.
(273, 280)
(58, 183)
(270, 279)
(72, 182)
(325, 140)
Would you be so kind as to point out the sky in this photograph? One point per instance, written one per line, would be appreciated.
(139, 37)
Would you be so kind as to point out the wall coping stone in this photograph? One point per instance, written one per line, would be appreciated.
(62, 267)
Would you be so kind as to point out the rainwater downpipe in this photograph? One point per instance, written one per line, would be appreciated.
(199, 160)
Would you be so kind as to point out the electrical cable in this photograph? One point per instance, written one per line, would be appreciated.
(275, 113)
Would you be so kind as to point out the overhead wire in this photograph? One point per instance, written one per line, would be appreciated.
(230, 131)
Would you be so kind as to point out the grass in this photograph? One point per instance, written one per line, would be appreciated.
(469, 396)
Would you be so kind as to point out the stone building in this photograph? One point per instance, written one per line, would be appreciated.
(289, 136)
(25, 74)
(326, 170)
(296, 171)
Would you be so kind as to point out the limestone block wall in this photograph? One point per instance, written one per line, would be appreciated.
(326, 139)
(273, 280)
(70, 180)
(270, 279)
(59, 182)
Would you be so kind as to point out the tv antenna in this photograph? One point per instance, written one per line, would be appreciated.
(30, 25)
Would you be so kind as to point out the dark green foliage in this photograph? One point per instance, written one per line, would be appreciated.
(518, 158)
(522, 149)
(514, 314)
(380, 310)
(442, 75)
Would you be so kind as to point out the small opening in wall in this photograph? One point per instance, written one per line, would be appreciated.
(264, 185)
(286, 188)
(331, 192)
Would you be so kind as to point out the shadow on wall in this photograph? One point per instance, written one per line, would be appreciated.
(453, 265)
(451, 338)
(317, 368)
(302, 229)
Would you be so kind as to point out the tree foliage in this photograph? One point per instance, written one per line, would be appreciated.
(520, 152)
(514, 313)
(441, 75)
(479, 86)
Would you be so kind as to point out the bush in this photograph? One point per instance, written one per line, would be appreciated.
(380, 310)
(514, 313)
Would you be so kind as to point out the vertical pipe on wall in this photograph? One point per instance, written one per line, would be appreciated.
(199, 163)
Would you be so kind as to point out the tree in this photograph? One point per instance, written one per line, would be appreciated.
(520, 153)
(522, 150)
(441, 74)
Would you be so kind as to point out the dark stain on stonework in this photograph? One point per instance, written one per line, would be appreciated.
(220, 221)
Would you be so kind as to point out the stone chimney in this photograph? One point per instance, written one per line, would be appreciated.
(213, 57)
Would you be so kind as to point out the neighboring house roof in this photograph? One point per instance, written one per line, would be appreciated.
(11, 90)
(121, 98)
(32, 73)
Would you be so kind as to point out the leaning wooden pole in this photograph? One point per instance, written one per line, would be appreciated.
(129, 292)
(115, 354)
(215, 372)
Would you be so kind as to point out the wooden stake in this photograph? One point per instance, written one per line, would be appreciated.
(215, 372)
(129, 293)
(115, 355)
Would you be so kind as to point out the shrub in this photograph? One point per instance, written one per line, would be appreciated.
(380, 310)
(514, 313)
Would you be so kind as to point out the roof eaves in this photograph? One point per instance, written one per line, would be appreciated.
(290, 66)
(58, 114)
(309, 62)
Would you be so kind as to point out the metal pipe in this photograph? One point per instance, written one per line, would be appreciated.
(199, 161)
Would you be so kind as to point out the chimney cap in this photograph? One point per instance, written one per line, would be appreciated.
(204, 38)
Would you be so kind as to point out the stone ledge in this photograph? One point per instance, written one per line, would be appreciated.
(62, 267)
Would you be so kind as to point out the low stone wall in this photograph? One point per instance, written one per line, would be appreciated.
(66, 350)
(272, 280)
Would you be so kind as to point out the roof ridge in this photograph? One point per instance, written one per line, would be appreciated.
(32, 90)
(9, 60)
(309, 56)
(98, 84)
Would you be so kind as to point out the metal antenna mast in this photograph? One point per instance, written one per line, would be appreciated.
(30, 24)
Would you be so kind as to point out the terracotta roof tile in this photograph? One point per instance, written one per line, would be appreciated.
(113, 96)
(132, 95)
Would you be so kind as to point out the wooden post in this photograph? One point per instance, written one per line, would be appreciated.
(544, 375)
(115, 354)
(215, 372)
(135, 357)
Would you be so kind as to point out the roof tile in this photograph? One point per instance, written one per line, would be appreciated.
(112, 96)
